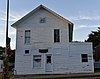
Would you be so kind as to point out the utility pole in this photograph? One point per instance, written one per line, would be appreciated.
(5, 73)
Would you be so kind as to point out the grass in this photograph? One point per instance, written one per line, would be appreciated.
(0, 77)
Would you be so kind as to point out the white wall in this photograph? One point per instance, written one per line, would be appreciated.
(76, 65)
(66, 57)
(64, 60)
(43, 32)
(42, 36)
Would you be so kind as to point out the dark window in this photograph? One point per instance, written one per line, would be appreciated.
(27, 36)
(43, 50)
(48, 59)
(70, 26)
(26, 51)
(84, 57)
(43, 20)
(56, 35)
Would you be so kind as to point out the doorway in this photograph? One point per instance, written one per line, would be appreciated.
(49, 64)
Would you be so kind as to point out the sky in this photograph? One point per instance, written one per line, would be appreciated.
(85, 14)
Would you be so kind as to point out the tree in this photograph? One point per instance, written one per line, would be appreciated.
(12, 57)
(94, 37)
(2, 50)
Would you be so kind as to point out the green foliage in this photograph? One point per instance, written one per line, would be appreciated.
(94, 37)
(12, 57)
(2, 49)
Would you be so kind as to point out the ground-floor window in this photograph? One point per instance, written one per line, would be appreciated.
(37, 61)
(26, 51)
(48, 59)
(84, 57)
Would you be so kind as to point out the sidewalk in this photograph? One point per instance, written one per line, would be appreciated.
(61, 76)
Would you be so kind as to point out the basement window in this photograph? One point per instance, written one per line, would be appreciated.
(84, 57)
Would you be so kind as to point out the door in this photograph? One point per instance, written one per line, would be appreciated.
(49, 65)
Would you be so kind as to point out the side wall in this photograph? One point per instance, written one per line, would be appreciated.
(65, 60)
(76, 64)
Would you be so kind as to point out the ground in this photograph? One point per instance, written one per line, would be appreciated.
(61, 76)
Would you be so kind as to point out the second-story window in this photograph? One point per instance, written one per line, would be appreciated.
(56, 35)
(27, 36)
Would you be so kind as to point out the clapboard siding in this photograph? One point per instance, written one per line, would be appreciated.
(65, 55)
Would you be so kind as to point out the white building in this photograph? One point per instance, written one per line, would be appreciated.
(44, 45)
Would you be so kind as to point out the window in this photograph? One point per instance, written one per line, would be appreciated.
(84, 57)
(70, 26)
(48, 59)
(43, 50)
(26, 51)
(56, 35)
(37, 61)
(27, 36)
(43, 20)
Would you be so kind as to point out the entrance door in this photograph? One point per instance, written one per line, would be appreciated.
(49, 66)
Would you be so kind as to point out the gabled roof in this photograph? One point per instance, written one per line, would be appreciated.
(35, 10)
(50, 11)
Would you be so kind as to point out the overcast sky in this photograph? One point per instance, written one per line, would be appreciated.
(85, 14)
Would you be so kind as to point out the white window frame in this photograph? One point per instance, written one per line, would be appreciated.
(36, 61)
(27, 36)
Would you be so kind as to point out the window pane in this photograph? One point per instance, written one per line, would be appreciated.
(26, 51)
(43, 50)
(48, 59)
(27, 36)
(27, 33)
(56, 35)
(84, 60)
(84, 57)
(27, 40)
